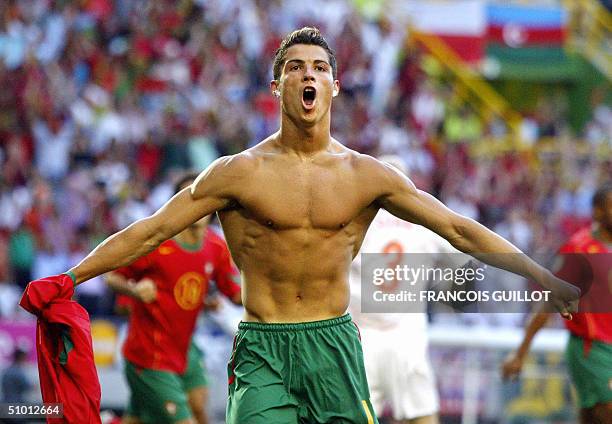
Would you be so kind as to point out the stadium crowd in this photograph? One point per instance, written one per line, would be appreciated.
(104, 104)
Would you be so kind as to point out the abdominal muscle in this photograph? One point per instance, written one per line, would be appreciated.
(295, 275)
(291, 302)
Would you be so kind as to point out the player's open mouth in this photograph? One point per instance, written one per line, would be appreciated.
(308, 97)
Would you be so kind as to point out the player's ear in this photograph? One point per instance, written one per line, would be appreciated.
(275, 88)
(336, 89)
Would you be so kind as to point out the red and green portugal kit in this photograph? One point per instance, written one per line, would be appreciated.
(586, 261)
(160, 332)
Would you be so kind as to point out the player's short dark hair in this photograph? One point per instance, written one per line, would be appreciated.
(306, 35)
(599, 198)
(184, 181)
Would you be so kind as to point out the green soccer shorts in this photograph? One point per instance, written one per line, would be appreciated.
(591, 373)
(309, 372)
(161, 396)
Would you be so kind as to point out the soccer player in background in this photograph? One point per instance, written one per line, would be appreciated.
(586, 259)
(164, 368)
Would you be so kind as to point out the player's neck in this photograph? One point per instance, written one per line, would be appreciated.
(190, 239)
(304, 139)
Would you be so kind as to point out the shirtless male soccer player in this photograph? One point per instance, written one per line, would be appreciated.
(294, 210)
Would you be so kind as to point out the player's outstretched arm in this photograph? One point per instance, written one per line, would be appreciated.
(401, 198)
(211, 191)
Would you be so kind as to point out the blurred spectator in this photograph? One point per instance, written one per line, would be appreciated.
(9, 299)
(427, 110)
(462, 126)
(201, 147)
(15, 383)
(599, 129)
(516, 230)
(53, 137)
(22, 250)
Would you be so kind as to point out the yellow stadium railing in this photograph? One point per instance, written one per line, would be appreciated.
(490, 148)
(472, 87)
(590, 33)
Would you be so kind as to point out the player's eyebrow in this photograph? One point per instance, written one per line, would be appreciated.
(301, 62)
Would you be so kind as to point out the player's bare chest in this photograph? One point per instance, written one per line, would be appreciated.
(305, 197)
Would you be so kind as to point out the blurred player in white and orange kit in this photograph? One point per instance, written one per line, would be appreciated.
(395, 347)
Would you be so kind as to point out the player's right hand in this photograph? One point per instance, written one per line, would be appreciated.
(146, 290)
(512, 366)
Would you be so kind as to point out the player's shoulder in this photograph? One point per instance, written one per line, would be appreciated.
(240, 163)
(247, 161)
(363, 162)
(376, 171)
(225, 174)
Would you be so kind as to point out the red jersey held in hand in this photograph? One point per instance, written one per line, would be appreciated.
(160, 332)
(63, 344)
(587, 262)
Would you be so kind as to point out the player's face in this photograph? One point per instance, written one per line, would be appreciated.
(603, 215)
(306, 84)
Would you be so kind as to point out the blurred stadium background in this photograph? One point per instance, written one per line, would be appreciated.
(502, 109)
